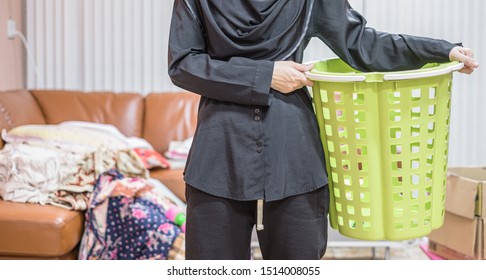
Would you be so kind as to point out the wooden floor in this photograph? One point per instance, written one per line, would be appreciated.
(409, 252)
(344, 248)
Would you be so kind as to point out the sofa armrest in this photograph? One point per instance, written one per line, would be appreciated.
(18, 108)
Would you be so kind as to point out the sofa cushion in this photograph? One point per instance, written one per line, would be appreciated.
(123, 110)
(172, 179)
(36, 230)
(13, 105)
(169, 117)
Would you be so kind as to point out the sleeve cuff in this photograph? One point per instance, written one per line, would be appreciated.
(260, 94)
(442, 50)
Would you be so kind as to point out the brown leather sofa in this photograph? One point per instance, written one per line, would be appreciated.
(33, 231)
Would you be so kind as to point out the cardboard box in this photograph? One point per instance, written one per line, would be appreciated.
(446, 253)
(462, 235)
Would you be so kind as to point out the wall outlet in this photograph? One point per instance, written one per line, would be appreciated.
(11, 29)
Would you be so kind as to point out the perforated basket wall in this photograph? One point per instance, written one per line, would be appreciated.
(386, 146)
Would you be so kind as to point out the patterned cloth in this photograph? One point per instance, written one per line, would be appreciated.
(74, 193)
(126, 220)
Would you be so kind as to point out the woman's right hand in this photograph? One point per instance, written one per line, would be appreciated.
(289, 76)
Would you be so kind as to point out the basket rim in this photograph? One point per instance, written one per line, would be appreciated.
(431, 71)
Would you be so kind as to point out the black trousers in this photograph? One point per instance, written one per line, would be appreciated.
(295, 228)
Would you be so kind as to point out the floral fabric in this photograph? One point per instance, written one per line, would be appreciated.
(126, 220)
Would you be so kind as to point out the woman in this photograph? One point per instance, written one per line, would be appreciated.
(256, 156)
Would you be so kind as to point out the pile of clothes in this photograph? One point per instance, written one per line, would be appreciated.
(93, 168)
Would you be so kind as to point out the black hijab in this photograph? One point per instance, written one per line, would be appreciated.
(258, 29)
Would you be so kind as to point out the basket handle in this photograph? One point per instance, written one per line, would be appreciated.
(386, 77)
(438, 72)
(334, 78)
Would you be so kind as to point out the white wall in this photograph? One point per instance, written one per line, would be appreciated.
(97, 45)
(121, 45)
(112, 45)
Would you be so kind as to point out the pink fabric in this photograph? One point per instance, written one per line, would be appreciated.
(432, 256)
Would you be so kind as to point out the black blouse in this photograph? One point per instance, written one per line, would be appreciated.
(252, 142)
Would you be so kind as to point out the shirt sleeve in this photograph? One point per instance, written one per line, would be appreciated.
(238, 80)
(344, 30)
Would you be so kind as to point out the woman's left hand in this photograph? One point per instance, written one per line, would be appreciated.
(466, 56)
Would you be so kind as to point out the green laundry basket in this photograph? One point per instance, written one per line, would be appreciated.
(385, 138)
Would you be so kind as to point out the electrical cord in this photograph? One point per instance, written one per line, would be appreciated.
(9, 9)
(30, 55)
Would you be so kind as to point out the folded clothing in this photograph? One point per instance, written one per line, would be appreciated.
(151, 158)
(179, 150)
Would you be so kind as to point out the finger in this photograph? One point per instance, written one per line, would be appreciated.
(466, 70)
(308, 83)
(468, 52)
(304, 81)
(470, 63)
(309, 66)
(303, 67)
(467, 60)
